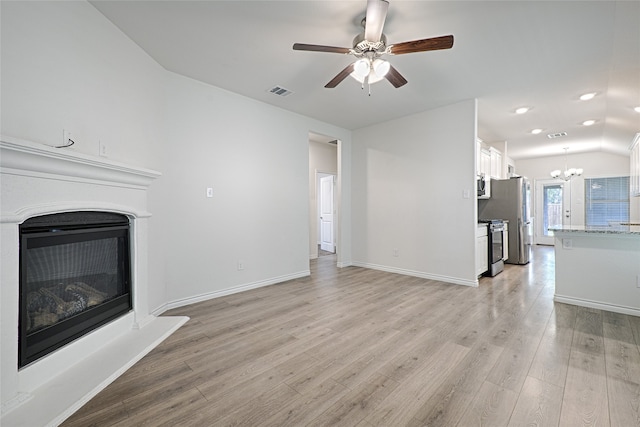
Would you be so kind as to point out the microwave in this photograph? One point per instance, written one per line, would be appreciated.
(481, 185)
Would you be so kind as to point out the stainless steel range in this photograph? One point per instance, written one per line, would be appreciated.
(496, 235)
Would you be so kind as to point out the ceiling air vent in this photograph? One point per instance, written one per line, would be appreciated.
(556, 135)
(280, 91)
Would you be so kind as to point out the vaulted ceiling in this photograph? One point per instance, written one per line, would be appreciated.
(507, 54)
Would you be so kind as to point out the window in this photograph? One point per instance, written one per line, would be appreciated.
(552, 200)
(606, 200)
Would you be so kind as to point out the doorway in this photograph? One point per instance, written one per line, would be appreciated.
(549, 208)
(326, 213)
(324, 190)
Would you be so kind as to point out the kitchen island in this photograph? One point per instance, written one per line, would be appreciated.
(599, 267)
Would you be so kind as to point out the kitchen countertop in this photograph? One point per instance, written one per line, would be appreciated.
(632, 228)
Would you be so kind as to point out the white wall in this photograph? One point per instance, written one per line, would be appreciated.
(409, 176)
(65, 66)
(259, 171)
(595, 165)
(323, 157)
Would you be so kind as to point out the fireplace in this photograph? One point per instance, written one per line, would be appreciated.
(75, 276)
(49, 194)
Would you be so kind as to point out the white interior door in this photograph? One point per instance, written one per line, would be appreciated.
(549, 209)
(326, 213)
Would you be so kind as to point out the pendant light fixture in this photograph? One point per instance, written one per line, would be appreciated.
(568, 172)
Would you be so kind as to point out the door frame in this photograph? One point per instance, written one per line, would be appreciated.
(342, 172)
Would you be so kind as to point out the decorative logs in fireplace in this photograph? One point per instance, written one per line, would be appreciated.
(47, 305)
(75, 276)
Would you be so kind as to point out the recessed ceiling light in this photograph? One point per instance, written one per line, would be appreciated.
(536, 131)
(522, 110)
(587, 96)
(637, 109)
(588, 122)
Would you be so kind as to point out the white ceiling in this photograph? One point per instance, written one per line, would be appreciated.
(507, 54)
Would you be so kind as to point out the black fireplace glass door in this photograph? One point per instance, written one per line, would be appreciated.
(73, 279)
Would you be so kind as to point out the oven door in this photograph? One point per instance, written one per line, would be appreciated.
(496, 233)
(496, 253)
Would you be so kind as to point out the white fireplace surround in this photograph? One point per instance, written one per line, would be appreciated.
(36, 180)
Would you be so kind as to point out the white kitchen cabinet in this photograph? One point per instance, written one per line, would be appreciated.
(485, 162)
(634, 173)
(495, 163)
(482, 249)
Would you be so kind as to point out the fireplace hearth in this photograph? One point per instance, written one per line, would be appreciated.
(75, 276)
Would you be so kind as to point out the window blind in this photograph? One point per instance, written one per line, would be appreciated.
(606, 200)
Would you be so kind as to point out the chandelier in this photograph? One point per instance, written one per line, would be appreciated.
(568, 172)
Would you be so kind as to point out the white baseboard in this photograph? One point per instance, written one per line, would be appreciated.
(421, 274)
(599, 305)
(228, 291)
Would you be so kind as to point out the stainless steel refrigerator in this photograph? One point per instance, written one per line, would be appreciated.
(510, 201)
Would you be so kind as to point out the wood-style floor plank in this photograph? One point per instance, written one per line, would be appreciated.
(418, 388)
(360, 347)
(492, 406)
(551, 360)
(588, 331)
(452, 398)
(623, 370)
(585, 401)
(538, 404)
(355, 405)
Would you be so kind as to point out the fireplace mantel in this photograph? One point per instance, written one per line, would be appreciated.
(38, 160)
(38, 179)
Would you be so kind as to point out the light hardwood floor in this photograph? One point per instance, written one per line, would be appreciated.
(358, 347)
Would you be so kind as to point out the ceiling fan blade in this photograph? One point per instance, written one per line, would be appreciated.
(376, 15)
(340, 77)
(320, 48)
(434, 43)
(395, 78)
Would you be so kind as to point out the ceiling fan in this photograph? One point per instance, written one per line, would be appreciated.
(369, 46)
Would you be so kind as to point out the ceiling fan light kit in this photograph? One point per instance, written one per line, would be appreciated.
(370, 45)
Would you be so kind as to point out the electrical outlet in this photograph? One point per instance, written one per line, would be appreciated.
(395, 252)
(209, 191)
(102, 148)
(567, 244)
(240, 265)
